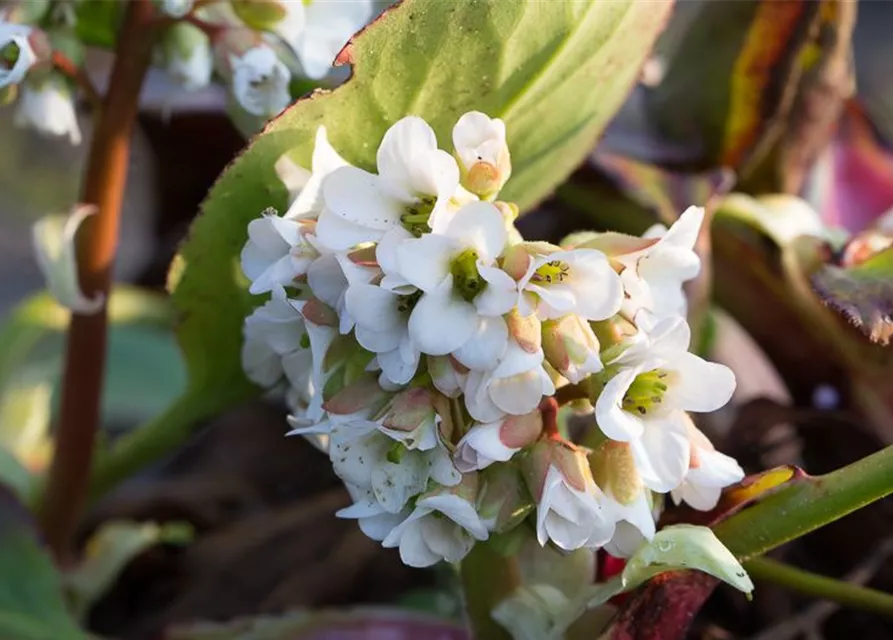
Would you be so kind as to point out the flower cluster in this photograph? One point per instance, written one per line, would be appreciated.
(420, 341)
(41, 53)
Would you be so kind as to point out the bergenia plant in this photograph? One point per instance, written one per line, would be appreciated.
(550, 424)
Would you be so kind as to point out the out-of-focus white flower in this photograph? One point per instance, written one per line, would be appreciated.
(653, 277)
(443, 526)
(568, 511)
(53, 238)
(49, 109)
(190, 61)
(709, 472)
(16, 54)
(177, 8)
(578, 281)
(498, 441)
(308, 202)
(656, 381)
(329, 24)
(483, 154)
(412, 189)
(260, 81)
(457, 273)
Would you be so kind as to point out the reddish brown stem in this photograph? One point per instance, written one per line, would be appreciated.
(64, 64)
(103, 186)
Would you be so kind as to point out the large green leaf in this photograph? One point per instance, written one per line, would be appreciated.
(31, 602)
(554, 71)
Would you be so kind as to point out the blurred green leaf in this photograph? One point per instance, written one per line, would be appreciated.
(97, 22)
(144, 373)
(32, 606)
(522, 60)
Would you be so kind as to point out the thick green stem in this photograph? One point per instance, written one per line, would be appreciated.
(103, 186)
(807, 504)
(487, 579)
(811, 584)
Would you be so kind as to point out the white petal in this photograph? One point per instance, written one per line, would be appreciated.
(521, 393)
(614, 422)
(500, 295)
(53, 238)
(459, 511)
(310, 201)
(375, 308)
(661, 455)
(480, 447)
(480, 226)
(477, 398)
(394, 484)
(441, 322)
(327, 280)
(338, 234)
(700, 385)
(355, 195)
(398, 369)
(404, 144)
(425, 262)
(486, 346)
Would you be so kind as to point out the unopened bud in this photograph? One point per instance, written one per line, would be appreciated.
(482, 153)
(526, 330)
(614, 470)
(571, 347)
(504, 501)
(262, 15)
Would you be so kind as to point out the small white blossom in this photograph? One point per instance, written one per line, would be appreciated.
(329, 24)
(277, 252)
(14, 39)
(653, 277)
(498, 441)
(709, 472)
(190, 61)
(457, 273)
(482, 153)
(49, 109)
(414, 184)
(53, 239)
(260, 81)
(443, 526)
(372, 518)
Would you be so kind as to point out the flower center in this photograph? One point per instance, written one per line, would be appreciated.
(646, 392)
(467, 282)
(406, 303)
(552, 272)
(9, 55)
(415, 219)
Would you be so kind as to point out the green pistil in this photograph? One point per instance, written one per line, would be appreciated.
(415, 220)
(407, 303)
(395, 453)
(9, 55)
(305, 341)
(646, 392)
(467, 282)
(552, 272)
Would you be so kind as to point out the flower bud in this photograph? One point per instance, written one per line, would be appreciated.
(568, 513)
(526, 330)
(614, 470)
(482, 152)
(503, 501)
(571, 347)
(447, 375)
(263, 15)
(410, 418)
(187, 54)
(497, 441)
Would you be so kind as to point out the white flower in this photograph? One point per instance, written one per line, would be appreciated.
(260, 81)
(277, 252)
(709, 472)
(382, 327)
(329, 24)
(623, 496)
(656, 381)
(568, 511)
(578, 281)
(330, 278)
(48, 108)
(482, 152)
(272, 333)
(53, 238)
(308, 203)
(415, 182)
(14, 47)
(626, 541)
(190, 61)
(320, 323)
(176, 8)
(498, 441)
(443, 526)
(653, 277)
(373, 519)
(457, 273)
(515, 386)
(447, 377)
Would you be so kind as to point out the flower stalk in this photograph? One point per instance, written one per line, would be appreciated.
(103, 186)
(487, 579)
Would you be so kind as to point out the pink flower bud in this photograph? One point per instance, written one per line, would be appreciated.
(571, 347)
